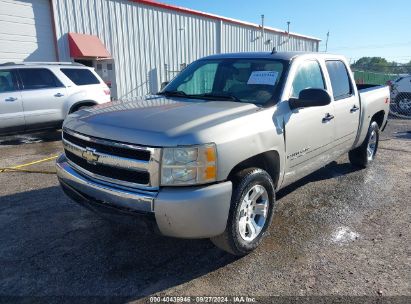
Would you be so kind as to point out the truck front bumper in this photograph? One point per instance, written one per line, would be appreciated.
(184, 212)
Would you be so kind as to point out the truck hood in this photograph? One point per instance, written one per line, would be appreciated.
(156, 121)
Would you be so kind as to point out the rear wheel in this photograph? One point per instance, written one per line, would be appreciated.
(364, 155)
(251, 212)
(81, 106)
(404, 104)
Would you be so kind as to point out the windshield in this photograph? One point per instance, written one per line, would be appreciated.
(241, 80)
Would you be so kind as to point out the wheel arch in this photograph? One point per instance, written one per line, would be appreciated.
(268, 161)
(81, 103)
(379, 118)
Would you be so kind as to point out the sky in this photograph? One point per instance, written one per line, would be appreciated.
(357, 27)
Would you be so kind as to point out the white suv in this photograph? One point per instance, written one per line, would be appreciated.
(40, 95)
(401, 95)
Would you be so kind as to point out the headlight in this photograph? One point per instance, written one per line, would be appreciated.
(189, 165)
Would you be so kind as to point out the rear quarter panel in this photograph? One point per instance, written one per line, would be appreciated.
(373, 100)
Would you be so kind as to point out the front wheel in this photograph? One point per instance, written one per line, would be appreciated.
(364, 155)
(251, 212)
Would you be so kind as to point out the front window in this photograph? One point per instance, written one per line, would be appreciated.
(241, 80)
(308, 76)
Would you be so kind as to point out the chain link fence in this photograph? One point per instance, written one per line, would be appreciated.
(400, 106)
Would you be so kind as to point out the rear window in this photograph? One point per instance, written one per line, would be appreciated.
(81, 76)
(35, 79)
(340, 81)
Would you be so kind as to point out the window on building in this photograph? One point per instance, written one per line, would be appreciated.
(7, 83)
(340, 82)
(308, 76)
(80, 76)
(34, 79)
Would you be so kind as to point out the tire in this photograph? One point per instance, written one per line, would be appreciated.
(403, 103)
(246, 226)
(365, 154)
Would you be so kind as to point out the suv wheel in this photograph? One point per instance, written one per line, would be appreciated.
(251, 212)
(404, 104)
(365, 154)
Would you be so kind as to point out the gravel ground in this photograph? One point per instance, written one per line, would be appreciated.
(337, 232)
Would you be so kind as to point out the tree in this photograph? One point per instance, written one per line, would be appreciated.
(381, 65)
(372, 64)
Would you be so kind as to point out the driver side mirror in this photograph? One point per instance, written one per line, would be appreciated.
(310, 98)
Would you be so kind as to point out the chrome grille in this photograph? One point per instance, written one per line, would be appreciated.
(124, 164)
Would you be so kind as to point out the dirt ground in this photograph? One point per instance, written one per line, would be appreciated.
(338, 232)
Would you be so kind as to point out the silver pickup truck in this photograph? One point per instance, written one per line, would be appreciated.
(205, 157)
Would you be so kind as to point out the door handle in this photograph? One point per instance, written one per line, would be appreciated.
(328, 117)
(11, 99)
(58, 95)
(354, 109)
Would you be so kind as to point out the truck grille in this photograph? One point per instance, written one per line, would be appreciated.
(112, 150)
(114, 162)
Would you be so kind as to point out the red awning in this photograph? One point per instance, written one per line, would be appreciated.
(86, 46)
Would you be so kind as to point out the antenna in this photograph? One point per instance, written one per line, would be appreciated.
(274, 51)
(326, 42)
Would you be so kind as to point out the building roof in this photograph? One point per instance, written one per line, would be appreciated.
(217, 17)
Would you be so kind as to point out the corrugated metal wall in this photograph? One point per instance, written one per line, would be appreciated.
(144, 39)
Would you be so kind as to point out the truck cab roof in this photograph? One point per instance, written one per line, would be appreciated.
(268, 55)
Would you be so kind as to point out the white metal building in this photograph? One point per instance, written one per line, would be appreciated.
(133, 44)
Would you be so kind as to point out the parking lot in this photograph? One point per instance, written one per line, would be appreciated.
(339, 231)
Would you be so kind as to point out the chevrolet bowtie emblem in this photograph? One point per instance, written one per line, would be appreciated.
(90, 155)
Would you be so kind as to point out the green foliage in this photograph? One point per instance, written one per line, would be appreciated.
(381, 65)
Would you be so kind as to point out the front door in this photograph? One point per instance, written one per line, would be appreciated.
(309, 131)
(11, 106)
(43, 97)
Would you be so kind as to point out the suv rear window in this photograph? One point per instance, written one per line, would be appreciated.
(81, 76)
(340, 81)
(34, 79)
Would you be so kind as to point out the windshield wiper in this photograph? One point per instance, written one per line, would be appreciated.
(219, 96)
(173, 93)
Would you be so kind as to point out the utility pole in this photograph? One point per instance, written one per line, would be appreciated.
(288, 28)
(326, 41)
(262, 32)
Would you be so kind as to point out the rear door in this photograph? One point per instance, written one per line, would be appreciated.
(346, 105)
(43, 96)
(11, 106)
(309, 131)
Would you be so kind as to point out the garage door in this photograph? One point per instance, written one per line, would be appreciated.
(26, 33)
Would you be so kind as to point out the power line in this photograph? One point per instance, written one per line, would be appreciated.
(371, 46)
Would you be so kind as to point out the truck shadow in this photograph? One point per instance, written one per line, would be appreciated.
(332, 170)
(50, 246)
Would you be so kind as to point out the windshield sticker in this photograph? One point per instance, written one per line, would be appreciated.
(263, 77)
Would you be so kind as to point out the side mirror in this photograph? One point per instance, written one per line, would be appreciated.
(310, 98)
(164, 84)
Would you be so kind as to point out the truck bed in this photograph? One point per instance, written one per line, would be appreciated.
(374, 101)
